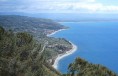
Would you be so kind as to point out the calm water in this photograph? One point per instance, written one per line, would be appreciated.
(97, 43)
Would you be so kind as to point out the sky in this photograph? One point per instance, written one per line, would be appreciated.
(59, 6)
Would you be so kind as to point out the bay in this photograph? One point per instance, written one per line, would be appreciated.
(97, 43)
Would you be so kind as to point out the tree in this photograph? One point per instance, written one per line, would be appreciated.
(81, 67)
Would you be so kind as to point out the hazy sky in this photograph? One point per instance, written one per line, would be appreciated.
(59, 6)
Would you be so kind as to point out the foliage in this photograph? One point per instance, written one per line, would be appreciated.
(20, 56)
(38, 28)
(81, 67)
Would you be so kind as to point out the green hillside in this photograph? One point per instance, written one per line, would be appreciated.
(21, 56)
(35, 26)
(39, 28)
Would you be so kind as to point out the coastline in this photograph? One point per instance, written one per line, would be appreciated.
(55, 32)
(61, 56)
(67, 53)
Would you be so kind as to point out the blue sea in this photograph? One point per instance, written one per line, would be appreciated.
(97, 43)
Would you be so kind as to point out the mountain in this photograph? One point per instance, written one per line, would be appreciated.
(25, 48)
(29, 24)
(39, 28)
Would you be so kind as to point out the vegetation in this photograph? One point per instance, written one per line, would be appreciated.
(35, 26)
(21, 56)
(81, 67)
(38, 28)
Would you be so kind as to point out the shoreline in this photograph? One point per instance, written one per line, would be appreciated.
(55, 32)
(67, 53)
(61, 56)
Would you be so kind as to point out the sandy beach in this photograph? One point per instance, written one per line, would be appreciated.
(61, 56)
(55, 32)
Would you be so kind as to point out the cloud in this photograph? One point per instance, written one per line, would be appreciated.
(87, 0)
(57, 6)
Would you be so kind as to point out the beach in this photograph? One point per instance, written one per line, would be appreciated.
(67, 53)
(55, 32)
(61, 56)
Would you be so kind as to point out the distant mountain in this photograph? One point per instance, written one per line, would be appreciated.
(29, 24)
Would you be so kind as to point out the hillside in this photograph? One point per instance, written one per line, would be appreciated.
(39, 28)
(36, 26)
(20, 55)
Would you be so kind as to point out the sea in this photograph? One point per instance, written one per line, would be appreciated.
(97, 43)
